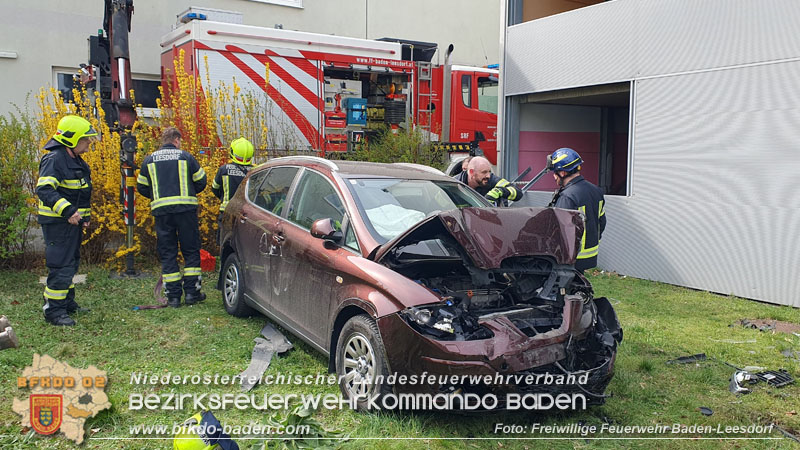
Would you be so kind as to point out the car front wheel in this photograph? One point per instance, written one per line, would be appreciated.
(233, 288)
(361, 361)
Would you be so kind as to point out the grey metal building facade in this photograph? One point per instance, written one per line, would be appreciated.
(697, 116)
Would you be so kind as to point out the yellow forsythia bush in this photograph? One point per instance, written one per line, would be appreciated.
(208, 121)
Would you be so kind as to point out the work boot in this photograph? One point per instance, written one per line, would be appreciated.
(174, 302)
(61, 321)
(192, 299)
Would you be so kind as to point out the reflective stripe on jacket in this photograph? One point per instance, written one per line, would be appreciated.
(171, 178)
(64, 185)
(227, 181)
(582, 195)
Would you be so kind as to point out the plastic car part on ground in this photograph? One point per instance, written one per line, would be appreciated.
(741, 378)
(275, 342)
(706, 411)
(8, 339)
(688, 359)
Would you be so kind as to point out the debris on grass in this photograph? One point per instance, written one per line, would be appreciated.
(738, 380)
(778, 378)
(706, 411)
(786, 433)
(263, 351)
(688, 359)
(776, 326)
(791, 354)
(731, 341)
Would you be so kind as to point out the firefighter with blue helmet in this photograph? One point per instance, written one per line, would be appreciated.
(575, 192)
(171, 178)
(230, 176)
(64, 189)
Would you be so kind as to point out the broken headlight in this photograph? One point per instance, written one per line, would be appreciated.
(445, 322)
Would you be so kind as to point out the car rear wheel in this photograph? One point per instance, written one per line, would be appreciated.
(233, 288)
(361, 361)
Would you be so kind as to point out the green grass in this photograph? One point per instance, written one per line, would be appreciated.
(660, 322)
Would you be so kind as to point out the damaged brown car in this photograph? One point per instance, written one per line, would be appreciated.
(397, 269)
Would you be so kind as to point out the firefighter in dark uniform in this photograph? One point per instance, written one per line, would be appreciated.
(230, 176)
(479, 176)
(171, 178)
(575, 192)
(64, 189)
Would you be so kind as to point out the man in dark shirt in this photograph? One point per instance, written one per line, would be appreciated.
(479, 176)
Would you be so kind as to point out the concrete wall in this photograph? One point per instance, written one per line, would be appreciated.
(715, 112)
(47, 34)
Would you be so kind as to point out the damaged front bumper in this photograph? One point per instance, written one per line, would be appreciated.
(584, 344)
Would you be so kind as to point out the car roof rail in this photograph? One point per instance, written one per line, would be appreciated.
(421, 167)
(325, 162)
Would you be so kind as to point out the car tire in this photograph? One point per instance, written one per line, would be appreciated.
(233, 288)
(360, 354)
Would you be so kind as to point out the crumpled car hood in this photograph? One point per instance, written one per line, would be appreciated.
(490, 235)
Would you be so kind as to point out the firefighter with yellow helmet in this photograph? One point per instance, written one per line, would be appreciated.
(203, 431)
(230, 176)
(64, 189)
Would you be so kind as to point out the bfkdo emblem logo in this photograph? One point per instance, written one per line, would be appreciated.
(46, 413)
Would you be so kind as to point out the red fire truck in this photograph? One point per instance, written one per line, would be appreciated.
(326, 93)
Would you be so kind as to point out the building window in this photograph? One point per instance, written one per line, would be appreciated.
(65, 83)
(145, 90)
(292, 3)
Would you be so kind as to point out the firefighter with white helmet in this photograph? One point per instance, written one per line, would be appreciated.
(575, 192)
(230, 176)
(64, 189)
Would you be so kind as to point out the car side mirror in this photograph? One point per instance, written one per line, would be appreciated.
(326, 229)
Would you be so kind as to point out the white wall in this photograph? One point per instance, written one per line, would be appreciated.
(52, 33)
(715, 114)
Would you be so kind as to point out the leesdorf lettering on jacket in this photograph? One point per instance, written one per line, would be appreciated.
(234, 171)
(167, 154)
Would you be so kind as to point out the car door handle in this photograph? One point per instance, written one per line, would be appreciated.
(263, 246)
(243, 218)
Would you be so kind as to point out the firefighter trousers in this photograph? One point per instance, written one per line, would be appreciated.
(171, 230)
(62, 256)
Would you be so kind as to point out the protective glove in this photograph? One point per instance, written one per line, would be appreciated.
(497, 193)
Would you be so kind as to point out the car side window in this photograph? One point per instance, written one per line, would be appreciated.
(350, 239)
(315, 199)
(253, 184)
(271, 194)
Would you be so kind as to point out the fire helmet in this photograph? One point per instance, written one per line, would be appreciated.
(242, 151)
(565, 159)
(71, 129)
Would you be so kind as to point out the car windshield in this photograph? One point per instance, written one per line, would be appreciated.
(390, 206)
